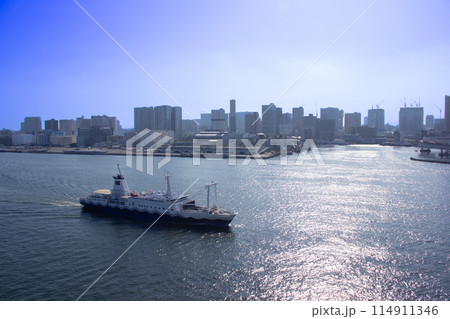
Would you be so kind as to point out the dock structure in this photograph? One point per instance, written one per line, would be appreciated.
(427, 144)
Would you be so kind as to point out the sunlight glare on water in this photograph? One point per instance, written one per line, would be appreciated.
(368, 224)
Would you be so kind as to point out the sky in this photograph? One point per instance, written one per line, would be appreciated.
(55, 62)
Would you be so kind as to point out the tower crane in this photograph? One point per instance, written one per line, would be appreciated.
(440, 111)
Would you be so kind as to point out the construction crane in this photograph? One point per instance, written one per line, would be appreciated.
(415, 102)
(440, 111)
(404, 102)
(379, 104)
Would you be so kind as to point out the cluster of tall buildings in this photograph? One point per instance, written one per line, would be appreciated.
(332, 123)
(82, 131)
(160, 118)
(272, 121)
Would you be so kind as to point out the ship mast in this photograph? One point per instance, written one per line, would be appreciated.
(208, 187)
(169, 191)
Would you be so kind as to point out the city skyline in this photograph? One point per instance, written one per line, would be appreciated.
(59, 64)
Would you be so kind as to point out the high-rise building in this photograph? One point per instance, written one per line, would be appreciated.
(218, 120)
(439, 125)
(285, 127)
(309, 127)
(144, 117)
(51, 125)
(411, 121)
(163, 116)
(176, 124)
(93, 134)
(325, 130)
(279, 118)
(297, 120)
(31, 125)
(286, 118)
(104, 121)
(375, 118)
(252, 123)
(205, 121)
(67, 127)
(240, 121)
(270, 119)
(352, 121)
(447, 113)
(429, 121)
(233, 116)
(82, 123)
(333, 113)
(190, 126)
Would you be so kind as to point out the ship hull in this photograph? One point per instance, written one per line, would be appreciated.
(154, 215)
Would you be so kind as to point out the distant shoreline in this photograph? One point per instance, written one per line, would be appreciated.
(429, 160)
(121, 152)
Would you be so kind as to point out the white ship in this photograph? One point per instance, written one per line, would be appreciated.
(162, 206)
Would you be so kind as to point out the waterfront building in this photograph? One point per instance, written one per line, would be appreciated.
(212, 137)
(240, 121)
(352, 121)
(161, 118)
(93, 135)
(270, 120)
(67, 127)
(63, 140)
(439, 125)
(190, 127)
(286, 129)
(205, 121)
(325, 130)
(105, 122)
(309, 127)
(6, 137)
(233, 116)
(176, 125)
(366, 134)
(95, 130)
(333, 113)
(252, 123)
(285, 126)
(375, 119)
(218, 120)
(23, 139)
(297, 120)
(82, 123)
(429, 122)
(31, 125)
(51, 125)
(447, 113)
(144, 117)
(279, 111)
(286, 118)
(411, 121)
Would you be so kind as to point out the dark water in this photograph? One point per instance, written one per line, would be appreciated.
(369, 224)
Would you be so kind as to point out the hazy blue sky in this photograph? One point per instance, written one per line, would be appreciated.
(56, 63)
